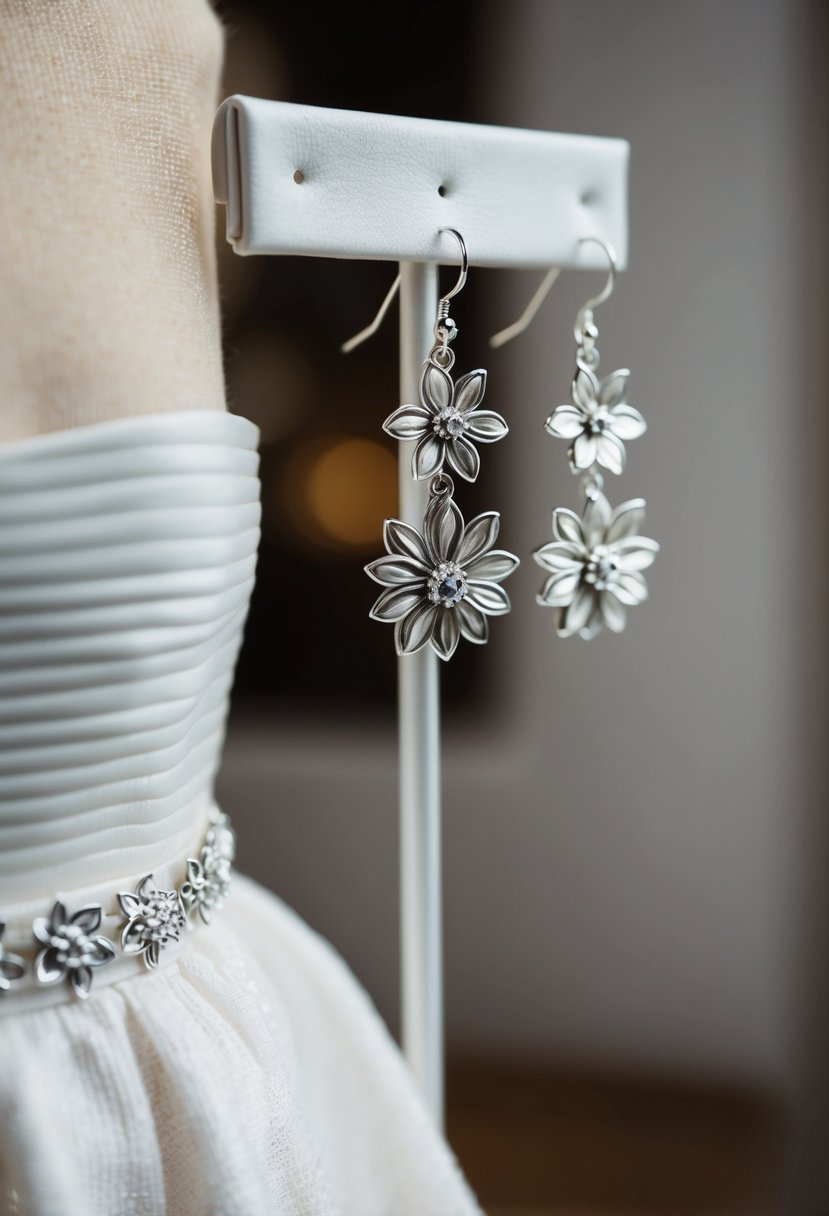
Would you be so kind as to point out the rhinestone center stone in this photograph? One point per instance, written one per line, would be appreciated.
(447, 585)
(449, 423)
(598, 421)
(601, 571)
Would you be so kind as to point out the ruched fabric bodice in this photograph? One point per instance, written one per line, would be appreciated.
(127, 552)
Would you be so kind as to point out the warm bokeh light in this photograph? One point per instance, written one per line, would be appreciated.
(350, 488)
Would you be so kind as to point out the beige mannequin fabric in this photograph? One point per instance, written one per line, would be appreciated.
(108, 296)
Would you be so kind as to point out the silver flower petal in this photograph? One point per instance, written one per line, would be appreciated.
(627, 520)
(408, 422)
(596, 520)
(485, 426)
(567, 526)
(631, 589)
(584, 451)
(496, 565)
(610, 452)
(81, 980)
(463, 458)
(442, 529)
(635, 552)
(560, 555)
(428, 457)
(447, 633)
(479, 536)
(101, 951)
(469, 390)
(560, 589)
(613, 612)
(42, 929)
(414, 630)
(584, 390)
(575, 616)
(490, 598)
(474, 625)
(48, 966)
(12, 966)
(627, 423)
(613, 388)
(397, 601)
(393, 570)
(435, 387)
(88, 918)
(566, 422)
(405, 540)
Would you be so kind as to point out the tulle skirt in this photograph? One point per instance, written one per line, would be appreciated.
(249, 1077)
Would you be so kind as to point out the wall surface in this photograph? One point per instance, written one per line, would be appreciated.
(623, 831)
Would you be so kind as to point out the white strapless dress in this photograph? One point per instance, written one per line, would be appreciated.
(248, 1074)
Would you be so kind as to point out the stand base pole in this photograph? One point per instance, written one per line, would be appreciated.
(419, 727)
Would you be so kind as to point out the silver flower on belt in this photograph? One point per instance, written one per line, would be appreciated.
(71, 948)
(445, 422)
(209, 875)
(154, 919)
(596, 565)
(12, 966)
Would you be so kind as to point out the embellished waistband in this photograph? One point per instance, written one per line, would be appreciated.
(65, 949)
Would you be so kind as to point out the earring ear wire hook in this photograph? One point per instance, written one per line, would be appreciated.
(371, 329)
(461, 283)
(443, 308)
(527, 316)
(607, 290)
(512, 331)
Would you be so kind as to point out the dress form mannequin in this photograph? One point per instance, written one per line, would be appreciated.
(109, 303)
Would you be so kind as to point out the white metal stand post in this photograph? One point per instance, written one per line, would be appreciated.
(421, 1002)
(337, 183)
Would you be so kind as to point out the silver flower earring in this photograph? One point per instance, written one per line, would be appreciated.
(595, 562)
(443, 583)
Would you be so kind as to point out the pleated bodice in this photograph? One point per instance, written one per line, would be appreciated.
(127, 555)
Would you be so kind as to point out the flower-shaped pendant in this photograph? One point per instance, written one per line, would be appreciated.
(598, 421)
(443, 584)
(596, 565)
(445, 422)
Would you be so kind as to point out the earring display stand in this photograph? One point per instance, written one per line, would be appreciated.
(336, 183)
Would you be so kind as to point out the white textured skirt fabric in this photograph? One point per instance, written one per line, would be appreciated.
(248, 1075)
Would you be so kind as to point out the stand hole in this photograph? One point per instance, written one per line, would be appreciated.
(589, 198)
(299, 176)
(442, 191)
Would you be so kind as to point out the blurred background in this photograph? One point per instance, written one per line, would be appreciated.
(635, 828)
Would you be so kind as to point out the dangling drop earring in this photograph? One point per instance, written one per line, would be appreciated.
(595, 561)
(444, 582)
